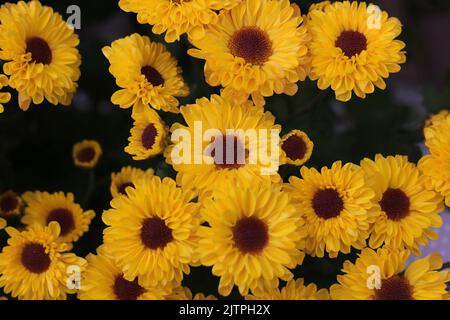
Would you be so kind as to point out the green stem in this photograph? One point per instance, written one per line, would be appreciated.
(90, 187)
(446, 266)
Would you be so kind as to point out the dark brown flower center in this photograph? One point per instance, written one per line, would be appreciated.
(40, 50)
(34, 258)
(294, 147)
(123, 187)
(155, 234)
(9, 203)
(395, 288)
(228, 152)
(351, 43)
(153, 76)
(149, 136)
(252, 44)
(327, 203)
(395, 203)
(127, 290)
(250, 235)
(86, 154)
(64, 218)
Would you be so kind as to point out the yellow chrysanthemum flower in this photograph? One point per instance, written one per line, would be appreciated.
(381, 275)
(337, 206)
(147, 74)
(43, 208)
(405, 211)
(353, 48)
(294, 290)
(4, 96)
(127, 177)
(33, 266)
(177, 17)
(40, 53)
(296, 147)
(253, 237)
(230, 153)
(10, 204)
(86, 154)
(149, 135)
(258, 48)
(151, 232)
(184, 293)
(436, 165)
(435, 119)
(103, 280)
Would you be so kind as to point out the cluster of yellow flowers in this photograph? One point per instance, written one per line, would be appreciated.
(250, 228)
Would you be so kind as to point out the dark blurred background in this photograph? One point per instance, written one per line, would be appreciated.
(35, 146)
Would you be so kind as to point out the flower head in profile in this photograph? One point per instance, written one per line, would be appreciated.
(103, 280)
(383, 275)
(43, 208)
(406, 213)
(40, 54)
(239, 141)
(126, 178)
(337, 207)
(256, 49)
(147, 74)
(297, 147)
(149, 135)
(252, 238)
(33, 265)
(86, 154)
(177, 17)
(354, 47)
(151, 233)
(294, 290)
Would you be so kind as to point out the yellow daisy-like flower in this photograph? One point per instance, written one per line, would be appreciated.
(147, 74)
(436, 165)
(40, 53)
(149, 135)
(151, 233)
(337, 206)
(353, 48)
(10, 204)
(177, 17)
(294, 290)
(254, 236)
(33, 265)
(381, 275)
(258, 48)
(103, 280)
(297, 147)
(43, 208)
(86, 154)
(229, 153)
(4, 96)
(126, 178)
(435, 119)
(405, 211)
(184, 293)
